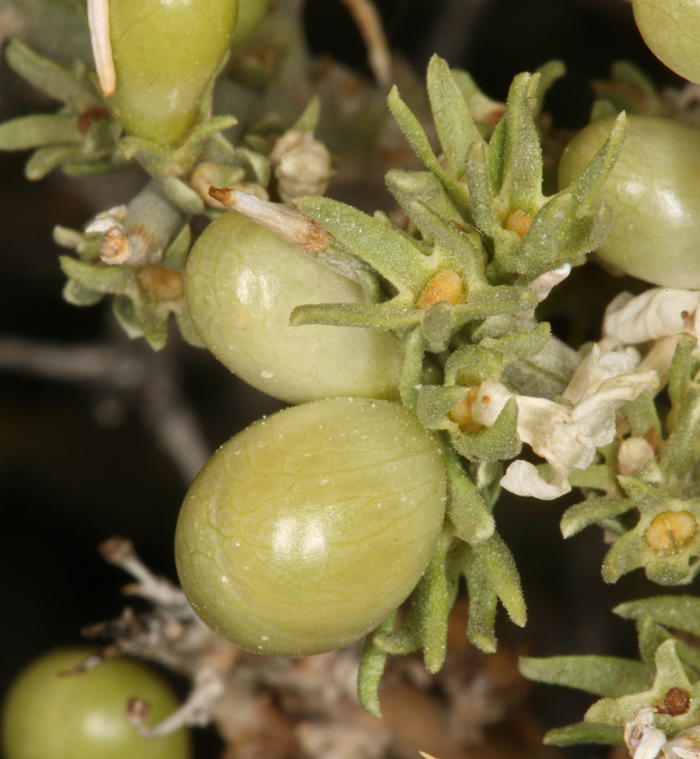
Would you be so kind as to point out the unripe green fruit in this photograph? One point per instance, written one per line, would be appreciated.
(50, 715)
(242, 283)
(653, 191)
(250, 15)
(671, 30)
(306, 530)
(164, 54)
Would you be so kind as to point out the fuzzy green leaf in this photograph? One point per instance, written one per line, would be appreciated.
(182, 196)
(472, 365)
(677, 612)
(385, 248)
(483, 602)
(466, 509)
(642, 415)
(372, 663)
(503, 576)
(679, 375)
(499, 442)
(412, 368)
(54, 80)
(38, 130)
(162, 162)
(585, 732)
(97, 277)
(453, 122)
(438, 327)
(521, 175)
(435, 401)
(381, 317)
(599, 675)
(415, 134)
(592, 511)
(45, 160)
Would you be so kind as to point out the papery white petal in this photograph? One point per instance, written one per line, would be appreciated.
(544, 284)
(491, 399)
(522, 479)
(658, 312)
(650, 745)
(102, 225)
(596, 367)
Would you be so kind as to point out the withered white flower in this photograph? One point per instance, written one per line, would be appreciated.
(544, 284)
(644, 741)
(566, 436)
(659, 312)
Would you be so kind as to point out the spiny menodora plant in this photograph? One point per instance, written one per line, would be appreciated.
(409, 343)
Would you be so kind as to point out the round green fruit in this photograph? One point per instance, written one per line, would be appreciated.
(49, 714)
(653, 191)
(671, 30)
(164, 54)
(242, 283)
(306, 530)
(250, 15)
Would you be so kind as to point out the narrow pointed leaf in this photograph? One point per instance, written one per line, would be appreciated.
(45, 160)
(97, 277)
(679, 375)
(625, 555)
(472, 520)
(380, 317)
(412, 369)
(54, 80)
(372, 663)
(522, 176)
(436, 604)
(483, 603)
(415, 134)
(499, 442)
(599, 675)
(435, 401)
(592, 511)
(387, 250)
(586, 732)
(503, 576)
(454, 124)
(38, 130)
(677, 612)
(642, 415)
(438, 327)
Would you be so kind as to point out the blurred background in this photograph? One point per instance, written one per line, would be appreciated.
(80, 461)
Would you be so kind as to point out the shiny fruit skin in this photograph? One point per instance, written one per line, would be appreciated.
(242, 282)
(653, 191)
(671, 30)
(164, 54)
(50, 716)
(250, 15)
(306, 530)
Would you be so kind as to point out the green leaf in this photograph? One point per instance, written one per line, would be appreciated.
(599, 675)
(182, 196)
(642, 415)
(677, 612)
(372, 663)
(38, 130)
(418, 140)
(592, 511)
(309, 119)
(381, 317)
(412, 368)
(435, 401)
(386, 249)
(679, 380)
(472, 365)
(521, 184)
(679, 454)
(483, 602)
(45, 160)
(77, 295)
(503, 576)
(161, 162)
(438, 327)
(97, 277)
(56, 81)
(499, 442)
(466, 509)
(453, 122)
(585, 732)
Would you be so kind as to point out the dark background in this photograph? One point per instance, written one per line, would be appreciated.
(77, 466)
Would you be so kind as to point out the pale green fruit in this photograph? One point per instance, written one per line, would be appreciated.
(48, 715)
(165, 53)
(242, 283)
(653, 191)
(671, 30)
(250, 15)
(306, 530)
